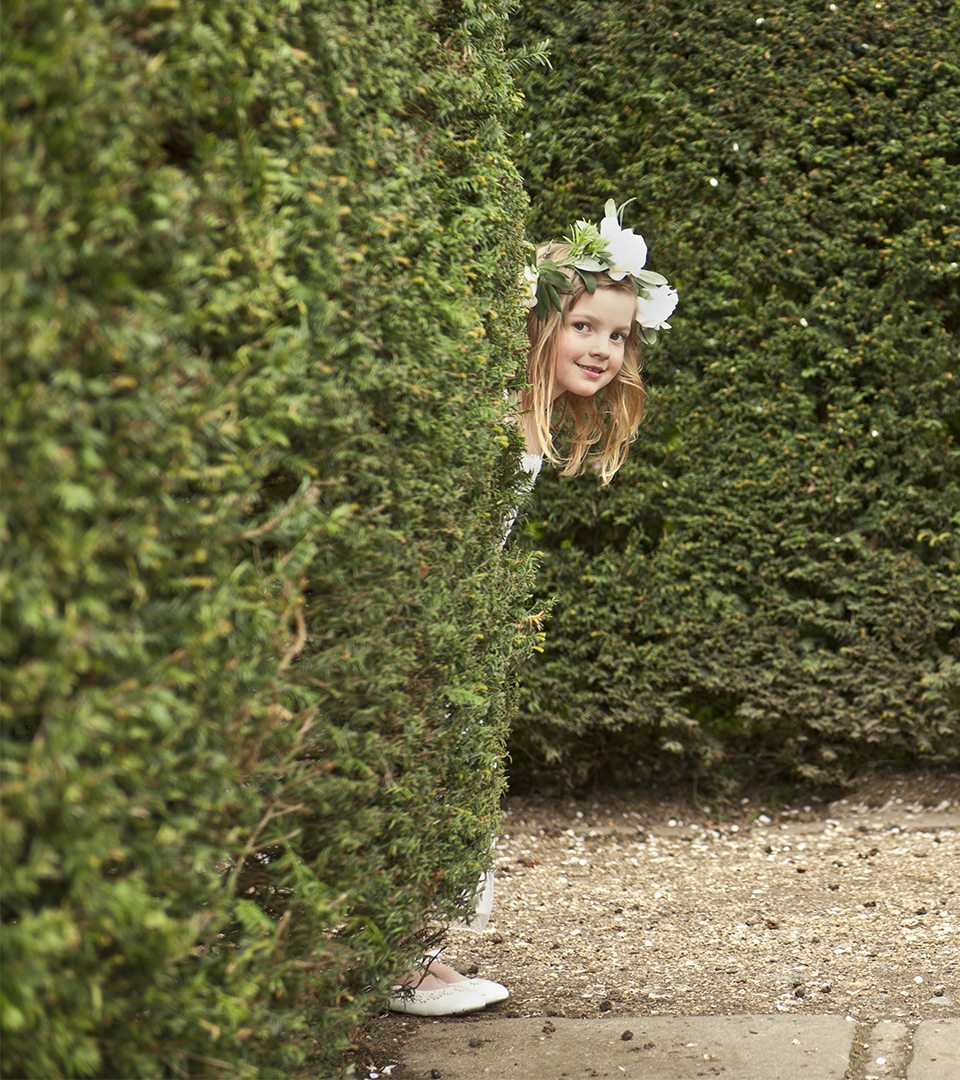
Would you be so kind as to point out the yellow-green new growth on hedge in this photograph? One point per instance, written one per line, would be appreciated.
(259, 291)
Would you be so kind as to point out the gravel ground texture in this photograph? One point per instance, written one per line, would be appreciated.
(649, 904)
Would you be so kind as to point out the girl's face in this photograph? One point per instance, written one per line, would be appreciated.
(590, 348)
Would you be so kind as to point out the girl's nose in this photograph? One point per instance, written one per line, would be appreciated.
(600, 346)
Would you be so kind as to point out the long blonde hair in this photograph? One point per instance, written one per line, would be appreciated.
(611, 417)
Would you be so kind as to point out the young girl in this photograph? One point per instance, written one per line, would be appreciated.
(591, 303)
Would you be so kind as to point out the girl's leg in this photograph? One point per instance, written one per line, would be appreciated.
(436, 976)
(428, 982)
(445, 973)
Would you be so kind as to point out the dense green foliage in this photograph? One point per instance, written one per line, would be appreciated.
(772, 579)
(260, 302)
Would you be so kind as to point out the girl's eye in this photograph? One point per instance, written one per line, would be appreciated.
(618, 337)
(581, 326)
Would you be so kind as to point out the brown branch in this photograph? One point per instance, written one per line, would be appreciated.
(293, 650)
(531, 621)
(252, 534)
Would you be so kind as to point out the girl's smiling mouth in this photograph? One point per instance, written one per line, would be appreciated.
(593, 372)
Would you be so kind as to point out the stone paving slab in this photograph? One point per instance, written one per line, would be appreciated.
(680, 1048)
(658, 1048)
(936, 1051)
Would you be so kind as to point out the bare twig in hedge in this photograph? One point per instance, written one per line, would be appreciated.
(252, 534)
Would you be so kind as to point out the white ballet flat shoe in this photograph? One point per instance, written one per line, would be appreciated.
(490, 991)
(451, 1000)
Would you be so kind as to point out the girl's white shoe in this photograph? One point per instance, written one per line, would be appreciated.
(454, 999)
(490, 991)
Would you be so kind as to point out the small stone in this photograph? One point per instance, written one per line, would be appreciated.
(628, 1035)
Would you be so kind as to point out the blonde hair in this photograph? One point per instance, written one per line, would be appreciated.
(611, 417)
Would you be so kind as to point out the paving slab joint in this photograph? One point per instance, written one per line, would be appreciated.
(855, 1069)
(880, 1052)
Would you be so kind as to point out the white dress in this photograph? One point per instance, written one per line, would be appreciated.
(531, 464)
(483, 897)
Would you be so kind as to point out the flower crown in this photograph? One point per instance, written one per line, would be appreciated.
(608, 249)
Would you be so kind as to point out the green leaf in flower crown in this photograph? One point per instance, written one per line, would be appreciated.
(649, 277)
(610, 208)
(543, 300)
(556, 279)
(585, 239)
(554, 297)
(647, 334)
(593, 264)
(589, 280)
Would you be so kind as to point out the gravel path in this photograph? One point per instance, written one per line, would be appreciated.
(614, 906)
(650, 906)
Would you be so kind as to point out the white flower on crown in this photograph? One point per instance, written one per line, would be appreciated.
(654, 312)
(529, 284)
(628, 251)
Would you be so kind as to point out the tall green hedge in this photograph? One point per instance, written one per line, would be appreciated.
(770, 586)
(259, 295)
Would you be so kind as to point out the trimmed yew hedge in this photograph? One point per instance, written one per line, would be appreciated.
(770, 586)
(260, 303)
